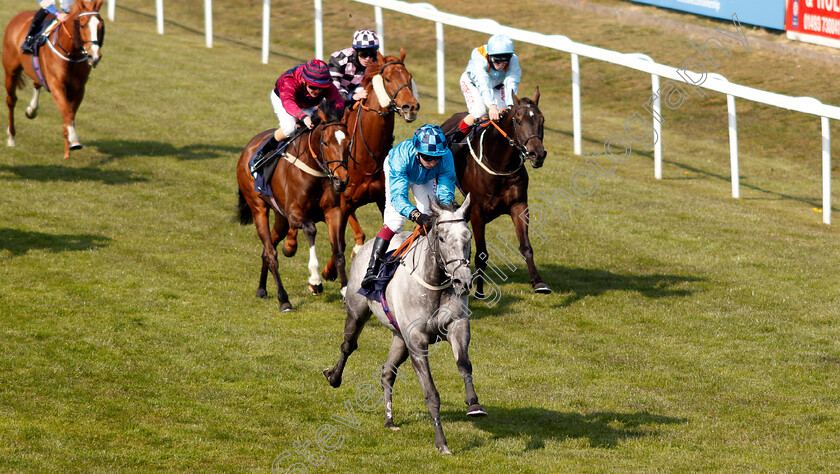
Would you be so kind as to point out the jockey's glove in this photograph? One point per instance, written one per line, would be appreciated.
(421, 219)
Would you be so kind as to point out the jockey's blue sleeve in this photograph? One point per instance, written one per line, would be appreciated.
(399, 159)
(446, 179)
(49, 6)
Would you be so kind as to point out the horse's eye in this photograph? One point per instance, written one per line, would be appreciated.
(323, 143)
(387, 80)
(441, 239)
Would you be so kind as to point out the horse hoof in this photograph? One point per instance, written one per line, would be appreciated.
(286, 307)
(330, 274)
(476, 410)
(76, 146)
(444, 450)
(391, 426)
(542, 288)
(261, 293)
(289, 252)
(479, 295)
(316, 290)
(11, 142)
(328, 373)
(31, 114)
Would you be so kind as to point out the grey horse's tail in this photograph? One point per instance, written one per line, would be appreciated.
(244, 210)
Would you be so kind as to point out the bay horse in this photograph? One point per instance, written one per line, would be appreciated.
(491, 169)
(306, 184)
(390, 90)
(428, 302)
(65, 62)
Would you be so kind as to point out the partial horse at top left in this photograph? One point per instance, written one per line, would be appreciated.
(61, 64)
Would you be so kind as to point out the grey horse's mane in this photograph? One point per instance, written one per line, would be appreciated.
(446, 207)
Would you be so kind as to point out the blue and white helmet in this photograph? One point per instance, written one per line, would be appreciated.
(499, 44)
(364, 39)
(430, 140)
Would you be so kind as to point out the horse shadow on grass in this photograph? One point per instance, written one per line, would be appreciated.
(601, 429)
(118, 149)
(19, 242)
(578, 283)
(48, 173)
(573, 284)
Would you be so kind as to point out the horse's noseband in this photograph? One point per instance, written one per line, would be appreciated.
(325, 165)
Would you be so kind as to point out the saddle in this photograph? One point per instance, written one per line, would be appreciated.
(43, 33)
(263, 170)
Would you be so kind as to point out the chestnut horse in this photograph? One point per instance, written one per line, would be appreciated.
(306, 184)
(65, 61)
(491, 168)
(390, 90)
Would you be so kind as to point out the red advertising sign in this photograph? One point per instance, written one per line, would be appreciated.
(814, 21)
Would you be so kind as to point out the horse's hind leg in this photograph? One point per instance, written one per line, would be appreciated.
(269, 258)
(316, 286)
(420, 361)
(32, 109)
(335, 225)
(281, 226)
(519, 214)
(396, 356)
(358, 313)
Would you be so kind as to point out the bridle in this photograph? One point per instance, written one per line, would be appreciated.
(319, 159)
(516, 143)
(66, 56)
(391, 108)
(431, 236)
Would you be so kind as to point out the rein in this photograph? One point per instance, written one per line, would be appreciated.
(403, 249)
(324, 165)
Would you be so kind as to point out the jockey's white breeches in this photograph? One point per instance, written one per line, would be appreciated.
(422, 192)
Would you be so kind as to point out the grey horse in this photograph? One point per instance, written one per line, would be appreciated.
(428, 300)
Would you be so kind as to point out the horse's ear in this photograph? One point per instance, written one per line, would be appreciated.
(537, 96)
(433, 205)
(515, 98)
(464, 209)
(322, 115)
(97, 5)
(402, 53)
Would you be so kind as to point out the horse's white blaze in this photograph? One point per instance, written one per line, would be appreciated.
(33, 104)
(71, 133)
(531, 113)
(314, 277)
(339, 136)
(379, 89)
(11, 140)
(93, 24)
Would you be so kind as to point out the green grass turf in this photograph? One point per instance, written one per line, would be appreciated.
(687, 330)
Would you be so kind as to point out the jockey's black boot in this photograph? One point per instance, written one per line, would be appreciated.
(28, 46)
(268, 147)
(380, 246)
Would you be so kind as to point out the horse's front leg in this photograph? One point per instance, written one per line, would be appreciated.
(32, 109)
(316, 285)
(358, 313)
(519, 214)
(477, 222)
(12, 79)
(330, 270)
(458, 335)
(71, 140)
(420, 361)
(358, 234)
(335, 227)
(290, 244)
(396, 356)
(281, 226)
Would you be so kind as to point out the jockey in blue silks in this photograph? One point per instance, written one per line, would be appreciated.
(492, 76)
(424, 164)
(47, 7)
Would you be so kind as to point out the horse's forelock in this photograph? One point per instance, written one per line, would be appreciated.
(331, 111)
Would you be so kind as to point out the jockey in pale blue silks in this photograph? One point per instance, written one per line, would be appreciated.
(424, 164)
(492, 76)
(47, 7)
